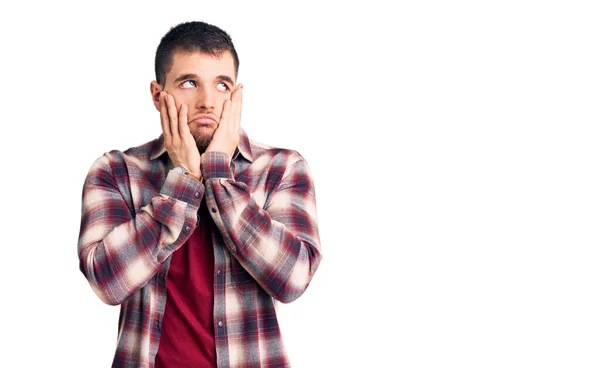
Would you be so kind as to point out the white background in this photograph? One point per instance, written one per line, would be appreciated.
(454, 148)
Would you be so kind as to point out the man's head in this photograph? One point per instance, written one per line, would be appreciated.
(192, 37)
(197, 64)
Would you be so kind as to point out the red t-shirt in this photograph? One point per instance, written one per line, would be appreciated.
(187, 336)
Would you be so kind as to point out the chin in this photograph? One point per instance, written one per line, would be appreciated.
(203, 140)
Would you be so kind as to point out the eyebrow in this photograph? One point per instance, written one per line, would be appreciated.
(225, 78)
(185, 77)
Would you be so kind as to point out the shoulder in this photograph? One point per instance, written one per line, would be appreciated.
(118, 160)
(273, 154)
(278, 165)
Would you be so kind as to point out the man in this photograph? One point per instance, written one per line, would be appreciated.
(200, 232)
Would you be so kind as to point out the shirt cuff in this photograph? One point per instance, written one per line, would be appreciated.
(183, 187)
(216, 165)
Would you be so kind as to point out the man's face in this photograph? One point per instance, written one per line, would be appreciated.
(202, 82)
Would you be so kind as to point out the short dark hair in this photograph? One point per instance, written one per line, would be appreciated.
(192, 37)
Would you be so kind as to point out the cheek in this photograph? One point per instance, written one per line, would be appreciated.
(183, 97)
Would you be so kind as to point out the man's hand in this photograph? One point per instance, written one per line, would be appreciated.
(227, 134)
(179, 142)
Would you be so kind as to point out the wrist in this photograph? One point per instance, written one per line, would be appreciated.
(185, 171)
(195, 175)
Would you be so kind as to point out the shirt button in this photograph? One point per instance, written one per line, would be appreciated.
(186, 229)
(197, 194)
(214, 210)
(218, 272)
(220, 323)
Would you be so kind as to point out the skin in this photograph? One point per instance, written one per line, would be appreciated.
(200, 86)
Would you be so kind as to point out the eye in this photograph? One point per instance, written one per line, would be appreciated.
(188, 84)
(223, 87)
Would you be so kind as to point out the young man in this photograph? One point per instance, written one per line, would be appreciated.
(199, 233)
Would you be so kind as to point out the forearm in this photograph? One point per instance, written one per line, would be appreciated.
(278, 245)
(120, 248)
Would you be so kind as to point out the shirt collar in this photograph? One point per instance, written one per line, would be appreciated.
(158, 148)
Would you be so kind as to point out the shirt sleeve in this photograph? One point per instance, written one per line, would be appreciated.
(277, 244)
(121, 247)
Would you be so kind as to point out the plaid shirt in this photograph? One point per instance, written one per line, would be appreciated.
(136, 213)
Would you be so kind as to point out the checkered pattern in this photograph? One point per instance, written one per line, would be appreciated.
(136, 213)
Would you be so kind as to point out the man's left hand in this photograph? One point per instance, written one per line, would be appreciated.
(227, 134)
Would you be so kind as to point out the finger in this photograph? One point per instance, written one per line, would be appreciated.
(237, 117)
(172, 109)
(164, 116)
(234, 98)
(184, 129)
(236, 92)
(226, 113)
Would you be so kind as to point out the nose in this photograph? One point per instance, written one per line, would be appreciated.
(205, 99)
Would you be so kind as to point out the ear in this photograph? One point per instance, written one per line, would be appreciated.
(155, 90)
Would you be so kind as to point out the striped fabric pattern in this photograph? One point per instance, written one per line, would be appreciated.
(136, 213)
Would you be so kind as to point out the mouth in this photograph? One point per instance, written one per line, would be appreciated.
(203, 120)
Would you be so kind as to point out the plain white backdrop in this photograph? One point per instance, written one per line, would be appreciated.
(454, 148)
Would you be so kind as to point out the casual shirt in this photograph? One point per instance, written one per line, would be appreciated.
(136, 213)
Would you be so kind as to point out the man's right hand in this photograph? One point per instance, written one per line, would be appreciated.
(179, 142)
